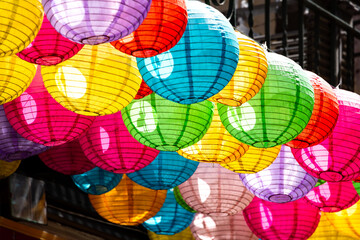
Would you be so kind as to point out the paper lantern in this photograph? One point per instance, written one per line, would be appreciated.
(336, 158)
(171, 219)
(15, 76)
(143, 91)
(283, 181)
(215, 190)
(216, 146)
(202, 62)
(96, 181)
(233, 227)
(279, 112)
(249, 76)
(99, 80)
(161, 30)
(8, 168)
(165, 125)
(168, 170)
(128, 203)
(109, 145)
(20, 22)
(36, 116)
(49, 47)
(180, 200)
(324, 115)
(285, 221)
(334, 196)
(183, 235)
(254, 160)
(95, 22)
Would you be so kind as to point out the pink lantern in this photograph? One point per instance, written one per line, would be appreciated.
(36, 116)
(205, 227)
(110, 146)
(338, 157)
(49, 47)
(215, 190)
(295, 220)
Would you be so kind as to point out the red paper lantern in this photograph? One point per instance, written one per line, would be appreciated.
(143, 91)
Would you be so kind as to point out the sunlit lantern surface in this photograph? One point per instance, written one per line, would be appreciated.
(215, 190)
(8, 168)
(82, 21)
(284, 221)
(279, 112)
(171, 219)
(254, 160)
(128, 203)
(183, 235)
(36, 116)
(98, 80)
(143, 91)
(200, 64)
(324, 115)
(96, 181)
(165, 125)
(205, 227)
(20, 22)
(249, 76)
(283, 181)
(334, 196)
(337, 158)
(180, 200)
(216, 146)
(109, 145)
(49, 47)
(161, 30)
(168, 170)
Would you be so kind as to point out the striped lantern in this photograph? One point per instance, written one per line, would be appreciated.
(183, 235)
(8, 168)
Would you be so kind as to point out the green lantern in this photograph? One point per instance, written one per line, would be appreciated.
(279, 112)
(165, 125)
(179, 199)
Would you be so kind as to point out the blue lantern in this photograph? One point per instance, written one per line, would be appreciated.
(200, 64)
(168, 170)
(171, 219)
(96, 181)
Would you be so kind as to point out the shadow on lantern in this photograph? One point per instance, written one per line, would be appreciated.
(246, 120)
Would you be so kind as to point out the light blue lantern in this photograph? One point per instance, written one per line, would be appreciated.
(200, 64)
(168, 170)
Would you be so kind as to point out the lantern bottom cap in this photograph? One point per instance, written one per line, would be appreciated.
(49, 60)
(232, 102)
(264, 144)
(95, 40)
(169, 148)
(189, 100)
(98, 189)
(330, 209)
(10, 157)
(145, 53)
(331, 176)
(280, 198)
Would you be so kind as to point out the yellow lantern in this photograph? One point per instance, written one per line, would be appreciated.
(254, 160)
(216, 146)
(99, 80)
(183, 235)
(249, 75)
(8, 168)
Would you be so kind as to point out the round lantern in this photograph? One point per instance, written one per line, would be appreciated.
(95, 22)
(96, 181)
(215, 190)
(161, 30)
(20, 22)
(254, 160)
(109, 145)
(183, 235)
(168, 170)
(143, 91)
(8, 168)
(205, 227)
(171, 219)
(99, 80)
(165, 125)
(67, 159)
(128, 203)
(36, 116)
(279, 112)
(283, 181)
(336, 158)
(49, 47)
(295, 220)
(181, 201)
(216, 146)
(249, 76)
(334, 196)
(324, 115)
(200, 64)
(15, 76)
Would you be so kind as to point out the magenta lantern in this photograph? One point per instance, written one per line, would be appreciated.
(295, 220)
(109, 145)
(338, 157)
(36, 116)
